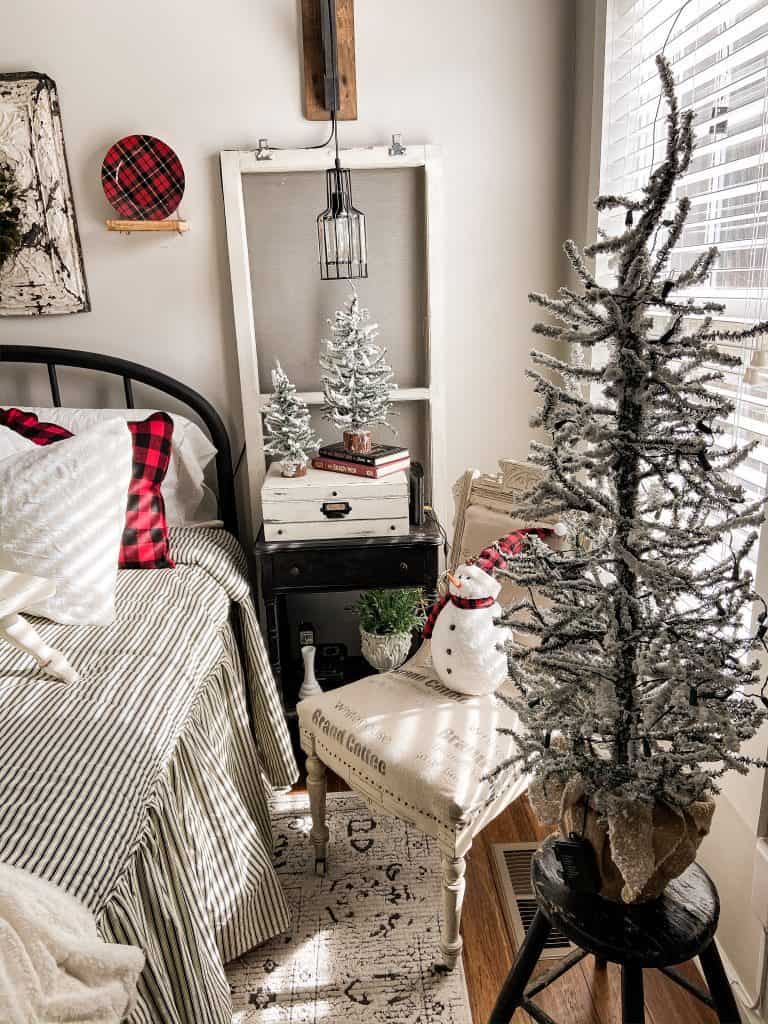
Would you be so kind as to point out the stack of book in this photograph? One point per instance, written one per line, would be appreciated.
(381, 460)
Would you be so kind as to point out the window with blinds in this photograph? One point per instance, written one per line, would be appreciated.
(719, 55)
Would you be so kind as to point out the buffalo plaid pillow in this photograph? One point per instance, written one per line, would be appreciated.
(28, 425)
(145, 536)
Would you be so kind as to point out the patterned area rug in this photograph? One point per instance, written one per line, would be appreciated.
(363, 948)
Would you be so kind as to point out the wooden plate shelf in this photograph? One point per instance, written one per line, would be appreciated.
(127, 226)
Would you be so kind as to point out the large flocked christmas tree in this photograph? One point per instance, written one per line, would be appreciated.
(641, 679)
(357, 380)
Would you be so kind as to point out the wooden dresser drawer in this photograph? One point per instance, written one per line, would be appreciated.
(361, 568)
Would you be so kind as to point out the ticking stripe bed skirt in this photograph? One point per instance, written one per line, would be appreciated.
(200, 890)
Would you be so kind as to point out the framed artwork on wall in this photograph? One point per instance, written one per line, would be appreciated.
(46, 274)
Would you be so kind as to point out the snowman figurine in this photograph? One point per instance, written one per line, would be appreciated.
(467, 646)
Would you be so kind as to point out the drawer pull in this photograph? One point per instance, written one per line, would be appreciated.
(403, 567)
(294, 570)
(335, 509)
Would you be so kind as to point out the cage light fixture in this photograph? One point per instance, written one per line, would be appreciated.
(341, 236)
(341, 230)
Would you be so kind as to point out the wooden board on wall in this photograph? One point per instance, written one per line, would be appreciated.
(314, 110)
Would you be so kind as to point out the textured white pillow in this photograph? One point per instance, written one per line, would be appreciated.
(62, 513)
(187, 499)
(12, 443)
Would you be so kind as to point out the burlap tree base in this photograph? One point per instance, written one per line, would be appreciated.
(640, 847)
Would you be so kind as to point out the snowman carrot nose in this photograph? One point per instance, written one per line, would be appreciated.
(452, 579)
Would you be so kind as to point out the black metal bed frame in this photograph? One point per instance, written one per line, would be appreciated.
(135, 372)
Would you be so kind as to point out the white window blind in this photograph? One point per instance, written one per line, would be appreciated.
(719, 55)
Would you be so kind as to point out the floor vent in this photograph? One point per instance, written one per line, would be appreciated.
(512, 871)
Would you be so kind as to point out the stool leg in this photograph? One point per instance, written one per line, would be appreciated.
(317, 782)
(719, 987)
(513, 989)
(453, 900)
(632, 1000)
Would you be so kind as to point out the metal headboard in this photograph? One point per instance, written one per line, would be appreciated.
(130, 372)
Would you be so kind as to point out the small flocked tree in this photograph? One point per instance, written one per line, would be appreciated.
(290, 435)
(640, 669)
(10, 215)
(357, 380)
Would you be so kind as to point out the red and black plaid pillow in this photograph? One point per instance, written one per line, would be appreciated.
(28, 425)
(145, 535)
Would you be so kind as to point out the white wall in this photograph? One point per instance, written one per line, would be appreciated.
(728, 854)
(490, 82)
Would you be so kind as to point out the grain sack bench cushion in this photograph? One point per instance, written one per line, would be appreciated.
(410, 745)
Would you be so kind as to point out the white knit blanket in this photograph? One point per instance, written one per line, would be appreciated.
(53, 965)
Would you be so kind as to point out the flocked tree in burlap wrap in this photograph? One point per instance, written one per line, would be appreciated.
(640, 684)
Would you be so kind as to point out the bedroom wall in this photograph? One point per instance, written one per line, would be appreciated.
(491, 83)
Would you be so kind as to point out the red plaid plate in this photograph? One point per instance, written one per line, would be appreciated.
(142, 178)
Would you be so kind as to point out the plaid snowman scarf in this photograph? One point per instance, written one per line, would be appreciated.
(493, 557)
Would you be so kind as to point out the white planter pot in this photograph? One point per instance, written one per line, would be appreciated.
(385, 651)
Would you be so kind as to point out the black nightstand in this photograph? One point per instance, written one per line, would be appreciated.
(319, 566)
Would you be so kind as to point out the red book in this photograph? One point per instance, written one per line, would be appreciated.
(358, 469)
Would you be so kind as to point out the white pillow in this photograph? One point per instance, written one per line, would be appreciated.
(187, 500)
(62, 513)
(11, 443)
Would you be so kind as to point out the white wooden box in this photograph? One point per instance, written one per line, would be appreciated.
(324, 505)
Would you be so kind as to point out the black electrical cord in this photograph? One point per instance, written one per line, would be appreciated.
(431, 514)
(321, 145)
(662, 51)
(239, 460)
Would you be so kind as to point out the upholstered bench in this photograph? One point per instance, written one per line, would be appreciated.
(414, 749)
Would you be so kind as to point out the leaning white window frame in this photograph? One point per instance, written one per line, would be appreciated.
(235, 164)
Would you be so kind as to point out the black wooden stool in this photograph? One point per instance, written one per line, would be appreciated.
(676, 927)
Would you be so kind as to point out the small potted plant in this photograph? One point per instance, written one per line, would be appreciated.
(388, 619)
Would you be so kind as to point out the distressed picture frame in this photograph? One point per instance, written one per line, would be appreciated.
(47, 275)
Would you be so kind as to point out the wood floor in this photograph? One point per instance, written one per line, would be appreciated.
(586, 995)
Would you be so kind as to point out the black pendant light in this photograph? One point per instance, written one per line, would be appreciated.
(341, 238)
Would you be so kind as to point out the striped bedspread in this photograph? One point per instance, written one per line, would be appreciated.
(81, 765)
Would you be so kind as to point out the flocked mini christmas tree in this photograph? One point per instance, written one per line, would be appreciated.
(641, 681)
(357, 380)
(290, 436)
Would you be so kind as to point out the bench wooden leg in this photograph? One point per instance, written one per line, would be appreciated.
(317, 787)
(453, 900)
